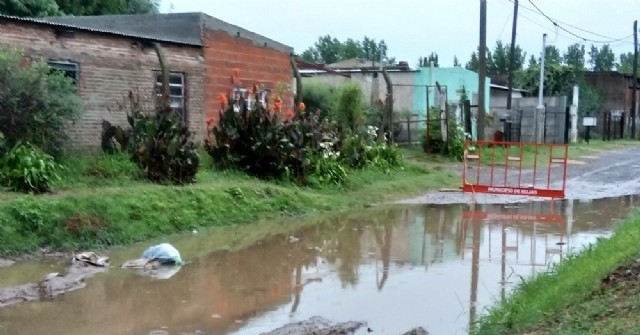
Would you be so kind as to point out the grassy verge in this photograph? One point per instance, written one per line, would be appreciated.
(98, 205)
(586, 294)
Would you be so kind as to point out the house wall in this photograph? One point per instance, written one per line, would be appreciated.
(453, 78)
(614, 91)
(109, 67)
(266, 66)
(499, 99)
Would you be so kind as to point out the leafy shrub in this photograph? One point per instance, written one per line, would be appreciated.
(257, 141)
(26, 168)
(36, 105)
(363, 151)
(350, 109)
(320, 97)
(456, 136)
(252, 140)
(162, 144)
(327, 167)
(114, 139)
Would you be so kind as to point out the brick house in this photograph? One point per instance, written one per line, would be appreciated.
(108, 56)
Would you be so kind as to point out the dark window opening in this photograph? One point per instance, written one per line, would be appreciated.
(69, 69)
(176, 93)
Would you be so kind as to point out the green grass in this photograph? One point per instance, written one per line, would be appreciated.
(498, 155)
(98, 203)
(571, 298)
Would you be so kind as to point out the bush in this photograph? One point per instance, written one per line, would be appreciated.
(320, 97)
(327, 167)
(36, 106)
(257, 141)
(162, 145)
(350, 110)
(363, 151)
(26, 168)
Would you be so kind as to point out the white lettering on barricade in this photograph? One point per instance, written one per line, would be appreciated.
(513, 191)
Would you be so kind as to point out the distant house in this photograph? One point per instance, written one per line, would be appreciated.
(109, 55)
(444, 85)
(616, 90)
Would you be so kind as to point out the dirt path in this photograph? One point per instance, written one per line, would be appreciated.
(604, 174)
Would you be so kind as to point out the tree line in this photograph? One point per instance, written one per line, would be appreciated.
(41, 8)
(328, 49)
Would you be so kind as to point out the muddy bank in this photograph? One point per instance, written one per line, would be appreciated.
(320, 326)
(51, 286)
(608, 174)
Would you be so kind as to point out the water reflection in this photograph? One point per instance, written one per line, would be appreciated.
(396, 268)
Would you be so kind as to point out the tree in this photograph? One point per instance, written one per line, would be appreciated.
(552, 55)
(351, 49)
(626, 63)
(500, 59)
(36, 105)
(533, 62)
(456, 62)
(575, 56)
(30, 8)
(474, 63)
(602, 59)
(38, 8)
(108, 7)
(329, 50)
(426, 61)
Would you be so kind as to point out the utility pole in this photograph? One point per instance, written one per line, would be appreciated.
(512, 55)
(634, 101)
(539, 117)
(482, 71)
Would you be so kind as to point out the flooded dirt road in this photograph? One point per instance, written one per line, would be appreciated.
(603, 174)
(395, 268)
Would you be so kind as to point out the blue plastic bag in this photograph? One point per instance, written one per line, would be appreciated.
(164, 253)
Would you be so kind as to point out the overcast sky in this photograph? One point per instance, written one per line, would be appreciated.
(414, 28)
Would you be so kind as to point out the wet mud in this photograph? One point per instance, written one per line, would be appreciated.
(51, 286)
(318, 326)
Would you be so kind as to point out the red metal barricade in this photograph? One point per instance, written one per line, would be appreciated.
(515, 168)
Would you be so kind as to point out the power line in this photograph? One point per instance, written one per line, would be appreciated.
(557, 25)
(545, 27)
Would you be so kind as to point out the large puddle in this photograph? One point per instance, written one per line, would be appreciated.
(397, 268)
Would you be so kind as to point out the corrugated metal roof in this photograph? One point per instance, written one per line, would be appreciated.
(181, 27)
(45, 22)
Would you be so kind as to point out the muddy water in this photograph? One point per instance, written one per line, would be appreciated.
(435, 266)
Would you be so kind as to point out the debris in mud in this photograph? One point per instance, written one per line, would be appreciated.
(6, 262)
(91, 258)
(417, 331)
(318, 326)
(54, 284)
(161, 261)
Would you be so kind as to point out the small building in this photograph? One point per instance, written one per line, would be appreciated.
(616, 91)
(108, 56)
(410, 87)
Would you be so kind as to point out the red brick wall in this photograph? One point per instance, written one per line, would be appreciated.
(256, 65)
(110, 67)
